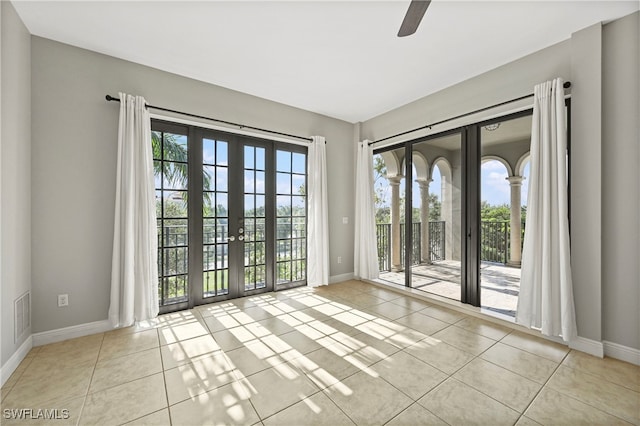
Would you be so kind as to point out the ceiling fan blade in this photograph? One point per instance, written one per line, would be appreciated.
(414, 15)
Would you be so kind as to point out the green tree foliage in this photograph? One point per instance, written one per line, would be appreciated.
(500, 213)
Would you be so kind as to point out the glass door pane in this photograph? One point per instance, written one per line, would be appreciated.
(436, 212)
(389, 190)
(291, 216)
(170, 152)
(503, 186)
(252, 230)
(215, 217)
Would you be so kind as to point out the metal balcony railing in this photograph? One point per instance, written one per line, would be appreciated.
(495, 242)
(436, 246)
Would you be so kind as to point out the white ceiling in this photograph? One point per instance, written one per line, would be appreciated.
(341, 59)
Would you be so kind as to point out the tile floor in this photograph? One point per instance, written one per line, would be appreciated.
(344, 354)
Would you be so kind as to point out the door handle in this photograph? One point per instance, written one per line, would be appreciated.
(240, 237)
(231, 238)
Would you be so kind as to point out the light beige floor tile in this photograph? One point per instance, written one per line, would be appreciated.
(276, 326)
(521, 362)
(333, 326)
(484, 328)
(536, 345)
(118, 345)
(317, 410)
(116, 371)
(177, 333)
(412, 303)
(412, 376)
(443, 314)
(368, 400)
(299, 342)
(125, 402)
(526, 421)
(17, 373)
(252, 314)
(459, 404)
(602, 394)
(253, 357)
(382, 293)
(422, 323)
(180, 353)
(283, 349)
(373, 346)
(325, 368)
(364, 300)
(390, 310)
(159, 418)
(509, 388)
(555, 408)
(56, 412)
(235, 337)
(439, 354)
(74, 357)
(353, 318)
(228, 404)
(465, 340)
(390, 332)
(291, 384)
(178, 318)
(78, 344)
(199, 376)
(613, 370)
(416, 415)
(34, 390)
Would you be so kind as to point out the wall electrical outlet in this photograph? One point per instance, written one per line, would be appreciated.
(63, 300)
(339, 259)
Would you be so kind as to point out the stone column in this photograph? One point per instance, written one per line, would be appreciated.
(424, 220)
(394, 182)
(515, 256)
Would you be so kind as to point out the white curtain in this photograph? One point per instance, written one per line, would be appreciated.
(546, 291)
(134, 270)
(318, 222)
(365, 254)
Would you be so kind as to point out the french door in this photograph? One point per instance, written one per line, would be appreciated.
(231, 215)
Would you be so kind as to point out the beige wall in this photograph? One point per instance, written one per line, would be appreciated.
(74, 158)
(620, 175)
(15, 173)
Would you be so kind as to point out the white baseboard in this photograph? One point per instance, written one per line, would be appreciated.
(339, 278)
(621, 352)
(60, 334)
(591, 347)
(12, 363)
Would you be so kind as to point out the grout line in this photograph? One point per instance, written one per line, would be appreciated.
(543, 386)
(86, 395)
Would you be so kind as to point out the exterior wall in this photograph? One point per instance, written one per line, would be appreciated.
(15, 172)
(74, 163)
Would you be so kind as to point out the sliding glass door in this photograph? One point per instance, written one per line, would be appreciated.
(449, 220)
(229, 224)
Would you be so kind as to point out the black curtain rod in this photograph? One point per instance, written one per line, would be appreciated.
(241, 126)
(566, 85)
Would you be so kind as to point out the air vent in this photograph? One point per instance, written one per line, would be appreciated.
(22, 309)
